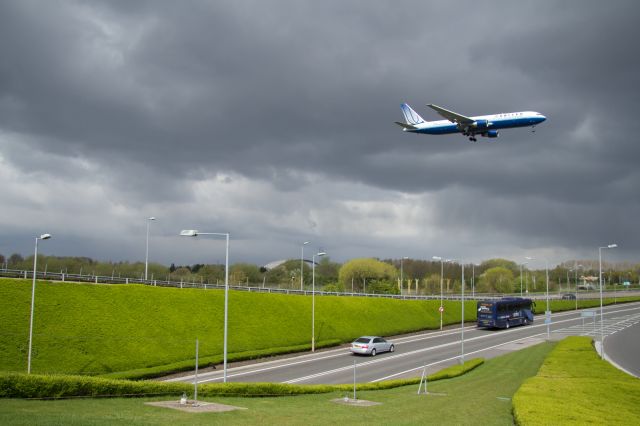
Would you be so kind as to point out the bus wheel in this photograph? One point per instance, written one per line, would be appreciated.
(526, 321)
(507, 324)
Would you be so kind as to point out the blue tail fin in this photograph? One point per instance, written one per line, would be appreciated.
(410, 115)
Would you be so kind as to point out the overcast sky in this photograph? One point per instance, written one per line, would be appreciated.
(273, 120)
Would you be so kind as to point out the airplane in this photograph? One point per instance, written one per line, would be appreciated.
(483, 125)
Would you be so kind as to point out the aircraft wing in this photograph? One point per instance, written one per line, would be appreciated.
(454, 117)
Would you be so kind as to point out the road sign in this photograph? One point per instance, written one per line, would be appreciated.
(588, 314)
(547, 317)
(441, 309)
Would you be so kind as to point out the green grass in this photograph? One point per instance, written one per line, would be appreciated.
(18, 385)
(100, 329)
(574, 386)
(136, 331)
(480, 396)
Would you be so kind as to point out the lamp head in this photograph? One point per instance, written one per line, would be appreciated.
(436, 258)
(612, 246)
(45, 236)
(189, 233)
(321, 253)
(306, 242)
(151, 218)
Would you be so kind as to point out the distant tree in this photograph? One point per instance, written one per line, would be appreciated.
(15, 260)
(496, 280)
(172, 268)
(2, 260)
(371, 270)
(245, 272)
(503, 263)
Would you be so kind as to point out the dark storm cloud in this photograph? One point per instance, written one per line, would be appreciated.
(162, 95)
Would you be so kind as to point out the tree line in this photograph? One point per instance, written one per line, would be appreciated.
(420, 277)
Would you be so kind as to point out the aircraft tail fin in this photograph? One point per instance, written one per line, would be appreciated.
(410, 115)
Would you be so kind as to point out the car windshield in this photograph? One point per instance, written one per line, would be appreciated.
(362, 340)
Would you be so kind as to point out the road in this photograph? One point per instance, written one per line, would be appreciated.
(434, 349)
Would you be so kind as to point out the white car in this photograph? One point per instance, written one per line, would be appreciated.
(371, 345)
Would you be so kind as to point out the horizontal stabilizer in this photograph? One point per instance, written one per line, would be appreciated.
(406, 126)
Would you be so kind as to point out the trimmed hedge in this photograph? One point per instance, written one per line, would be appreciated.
(574, 386)
(14, 385)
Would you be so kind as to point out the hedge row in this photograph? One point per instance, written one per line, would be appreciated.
(14, 385)
(575, 386)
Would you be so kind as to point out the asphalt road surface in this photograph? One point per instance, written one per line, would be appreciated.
(438, 349)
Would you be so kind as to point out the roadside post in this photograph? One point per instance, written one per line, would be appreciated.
(195, 382)
(354, 380)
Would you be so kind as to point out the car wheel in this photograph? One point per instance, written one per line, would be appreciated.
(373, 352)
(392, 348)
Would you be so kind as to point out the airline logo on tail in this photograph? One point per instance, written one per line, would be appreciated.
(410, 115)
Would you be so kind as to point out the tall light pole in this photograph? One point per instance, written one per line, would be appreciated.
(302, 264)
(33, 297)
(313, 299)
(194, 233)
(441, 286)
(401, 276)
(462, 322)
(146, 258)
(576, 270)
(548, 312)
(610, 246)
(521, 265)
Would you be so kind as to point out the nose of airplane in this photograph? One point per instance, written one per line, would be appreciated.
(542, 118)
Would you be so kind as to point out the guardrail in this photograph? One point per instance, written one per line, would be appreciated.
(98, 279)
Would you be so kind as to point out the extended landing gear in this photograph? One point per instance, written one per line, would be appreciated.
(472, 139)
(533, 129)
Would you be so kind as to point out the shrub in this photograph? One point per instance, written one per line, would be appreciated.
(15, 385)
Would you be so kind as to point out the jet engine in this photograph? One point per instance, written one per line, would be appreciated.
(481, 124)
(491, 134)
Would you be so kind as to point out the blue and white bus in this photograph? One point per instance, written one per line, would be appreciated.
(505, 312)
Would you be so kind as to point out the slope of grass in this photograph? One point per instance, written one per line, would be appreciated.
(98, 329)
(480, 396)
(574, 386)
(136, 331)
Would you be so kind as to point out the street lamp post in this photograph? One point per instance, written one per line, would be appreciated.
(313, 299)
(302, 264)
(441, 285)
(33, 297)
(521, 265)
(462, 322)
(610, 246)
(401, 275)
(146, 258)
(576, 271)
(194, 233)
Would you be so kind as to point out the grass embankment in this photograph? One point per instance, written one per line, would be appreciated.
(574, 386)
(99, 329)
(480, 396)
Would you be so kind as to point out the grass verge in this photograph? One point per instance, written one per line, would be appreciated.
(479, 396)
(63, 386)
(574, 386)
